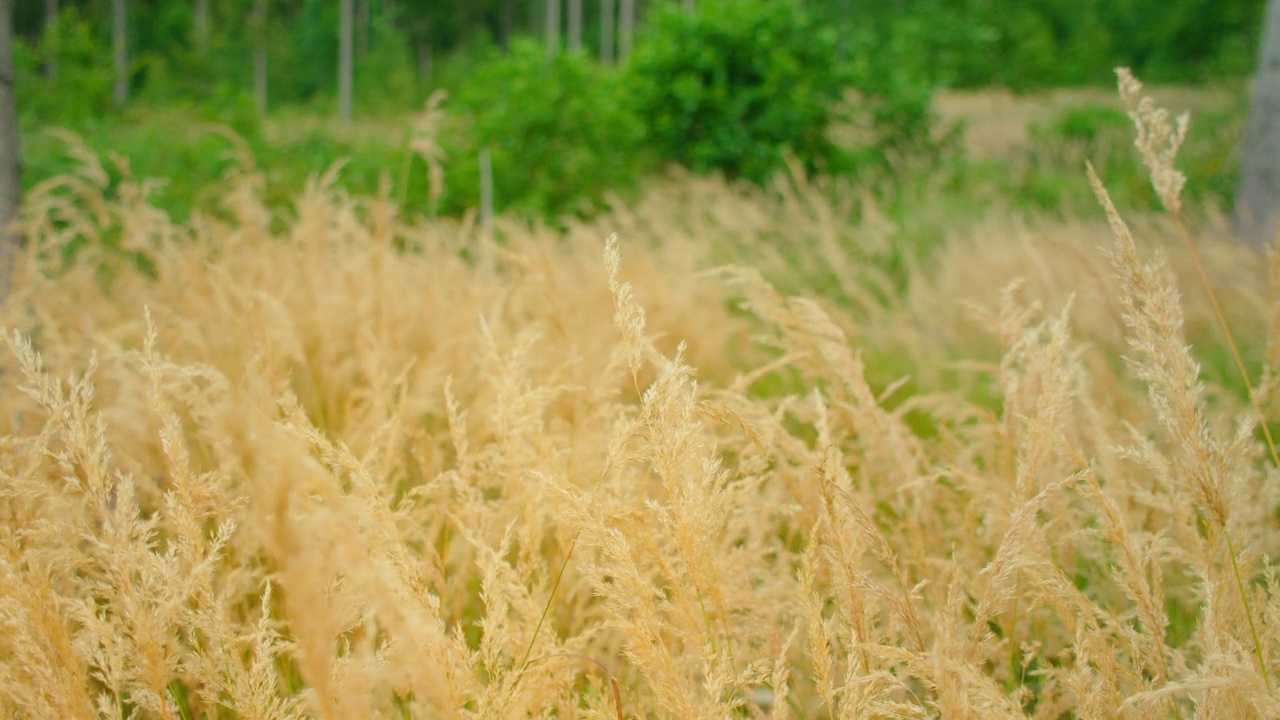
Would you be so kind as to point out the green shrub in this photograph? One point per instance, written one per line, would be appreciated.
(735, 86)
(558, 131)
(82, 88)
(738, 85)
(385, 78)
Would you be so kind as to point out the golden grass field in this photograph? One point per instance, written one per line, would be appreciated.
(337, 463)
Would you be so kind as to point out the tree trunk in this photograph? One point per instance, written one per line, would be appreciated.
(260, 55)
(688, 6)
(345, 64)
(50, 16)
(626, 28)
(575, 25)
(10, 181)
(606, 31)
(362, 28)
(200, 23)
(424, 63)
(1257, 217)
(553, 27)
(506, 23)
(119, 53)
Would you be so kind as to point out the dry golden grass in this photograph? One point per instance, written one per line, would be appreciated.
(335, 464)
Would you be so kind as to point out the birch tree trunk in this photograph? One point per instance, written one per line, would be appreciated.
(626, 28)
(362, 28)
(553, 28)
(1257, 216)
(50, 15)
(345, 64)
(119, 53)
(260, 55)
(606, 31)
(506, 23)
(425, 57)
(200, 23)
(10, 181)
(575, 25)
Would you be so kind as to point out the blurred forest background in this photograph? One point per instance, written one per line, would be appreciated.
(571, 104)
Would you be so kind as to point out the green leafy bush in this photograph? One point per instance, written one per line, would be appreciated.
(558, 132)
(738, 85)
(735, 86)
(82, 86)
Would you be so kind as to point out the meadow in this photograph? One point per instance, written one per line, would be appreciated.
(719, 451)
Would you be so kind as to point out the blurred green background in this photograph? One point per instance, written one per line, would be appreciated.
(581, 102)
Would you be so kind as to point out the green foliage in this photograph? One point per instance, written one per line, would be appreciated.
(82, 86)
(736, 86)
(384, 76)
(558, 132)
(1037, 44)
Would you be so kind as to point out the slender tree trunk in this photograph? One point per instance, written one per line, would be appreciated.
(1257, 217)
(50, 16)
(486, 192)
(506, 23)
(200, 23)
(424, 62)
(260, 55)
(553, 27)
(362, 28)
(606, 31)
(626, 28)
(688, 6)
(10, 180)
(345, 64)
(119, 53)
(575, 25)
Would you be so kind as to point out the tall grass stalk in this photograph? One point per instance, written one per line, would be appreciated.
(1159, 144)
(336, 463)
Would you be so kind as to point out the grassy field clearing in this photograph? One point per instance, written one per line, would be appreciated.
(755, 457)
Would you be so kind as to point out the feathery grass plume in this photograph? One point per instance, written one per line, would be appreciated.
(403, 480)
(1212, 468)
(1157, 140)
(629, 317)
(424, 143)
(1159, 144)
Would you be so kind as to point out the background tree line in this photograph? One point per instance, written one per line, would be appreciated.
(563, 103)
(78, 58)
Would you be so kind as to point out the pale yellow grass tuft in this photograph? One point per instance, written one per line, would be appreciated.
(338, 464)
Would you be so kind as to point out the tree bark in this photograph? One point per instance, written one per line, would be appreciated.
(506, 23)
(50, 16)
(200, 27)
(606, 31)
(1257, 216)
(119, 53)
(10, 180)
(553, 27)
(260, 55)
(626, 28)
(425, 56)
(362, 28)
(575, 25)
(345, 64)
